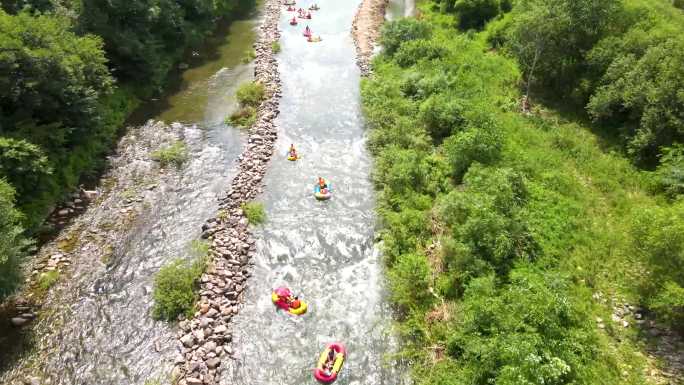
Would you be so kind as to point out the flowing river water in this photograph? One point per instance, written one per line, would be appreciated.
(324, 251)
(104, 333)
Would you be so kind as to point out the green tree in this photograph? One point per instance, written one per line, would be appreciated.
(12, 243)
(658, 235)
(24, 165)
(644, 96)
(475, 13)
(550, 38)
(397, 32)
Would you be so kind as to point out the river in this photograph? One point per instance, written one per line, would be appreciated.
(325, 251)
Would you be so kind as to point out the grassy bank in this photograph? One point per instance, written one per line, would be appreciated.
(509, 238)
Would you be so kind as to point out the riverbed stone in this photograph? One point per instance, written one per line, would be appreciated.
(19, 321)
(188, 340)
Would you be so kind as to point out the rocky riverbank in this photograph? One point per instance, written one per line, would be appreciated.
(203, 342)
(366, 31)
(88, 241)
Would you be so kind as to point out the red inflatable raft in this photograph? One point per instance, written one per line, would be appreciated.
(330, 375)
(279, 297)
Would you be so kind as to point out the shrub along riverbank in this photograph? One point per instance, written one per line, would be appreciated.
(70, 74)
(509, 238)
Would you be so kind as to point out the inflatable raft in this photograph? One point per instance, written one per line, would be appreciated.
(314, 7)
(312, 39)
(279, 295)
(329, 376)
(292, 158)
(289, 2)
(322, 195)
(293, 21)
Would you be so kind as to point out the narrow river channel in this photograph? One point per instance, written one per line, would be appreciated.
(323, 250)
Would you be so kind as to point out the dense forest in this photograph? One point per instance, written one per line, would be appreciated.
(71, 71)
(512, 230)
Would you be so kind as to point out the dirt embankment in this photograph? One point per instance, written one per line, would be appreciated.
(366, 31)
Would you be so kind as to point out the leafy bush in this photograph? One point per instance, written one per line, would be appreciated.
(175, 154)
(397, 32)
(658, 236)
(249, 56)
(531, 332)
(670, 173)
(250, 94)
(175, 288)
(487, 224)
(275, 47)
(650, 122)
(244, 117)
(414, 51)
(471, 146)
(442, 115)
(410, 281)
(255, 213)
(12, 243)
(475, 13)
(46, 280)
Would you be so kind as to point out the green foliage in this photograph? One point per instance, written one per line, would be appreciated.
(475, 13)
(442, 115)
(46, 280)
(489, 231)
(497, 227)
(470, 146)
(410, 281)
(12, 243)
(397, 32)
(175, 288)
(670, 173)
(250, 94)
(255, 213)
(413, 51)
(244, 117)
(199, 248)
(173, 155)
(643, 95)
(550, 37)
(249, 56)
(532, 332)
(275, 47)
(659, 242)
(620, 61)
(23, 164)
(143, 39)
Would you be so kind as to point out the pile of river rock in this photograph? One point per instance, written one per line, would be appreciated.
(366, 25)
(205, 339)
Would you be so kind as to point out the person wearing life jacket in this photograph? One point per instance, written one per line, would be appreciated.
(322, 184)
(293, 152)
(329, 362)
(308, 15)
(296, 303)
(307, 31)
